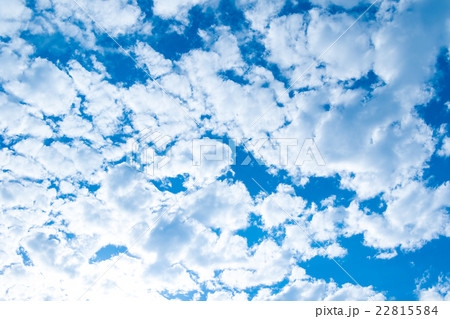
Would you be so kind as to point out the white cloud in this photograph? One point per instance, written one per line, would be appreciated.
(386, 144)
(303, 287)
(226, 295)
(281, 206)
(127, 190)
(14, 58)
(300, 241)
(220, 205)
(267, 266)
(117, 17)
(16, 120)
(44, 87)
(445, 149)
(259, 13)
(13, 16)
(351, 56)
(324, 224)
(155, 62)
(439, 292)
(286, 40)
(387, 254)
(414, 215)
(177, 9)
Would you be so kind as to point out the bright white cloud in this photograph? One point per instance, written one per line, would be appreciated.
(414, 215)
(439, 292)
(175, 9)
(303, 287)
(13, 16)
(445, 149)
(44, 87)
(259, 13)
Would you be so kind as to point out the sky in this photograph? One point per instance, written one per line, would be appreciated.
(225, 150)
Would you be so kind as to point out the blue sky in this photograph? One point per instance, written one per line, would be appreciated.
(323, 151)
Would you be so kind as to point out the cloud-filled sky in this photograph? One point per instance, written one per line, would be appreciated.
(220, 149)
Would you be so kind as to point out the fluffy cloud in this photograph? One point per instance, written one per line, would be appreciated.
(445, 149)
(387, 144)
(175, 9)
(13, 17)
(154, 61)
(281, 206)
(259, 13)
(115, 17)
(44, 87)
(439, 292)
(303, 287)
(220, 206)
(414, 215)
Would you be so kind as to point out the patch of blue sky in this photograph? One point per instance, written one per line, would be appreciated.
(246, 173)
(367, 82)
(172, 44)
(295, 6)
(183, 296)
(92, 188)
(254, 53)
(118, 138)
(170, 37)
(62, 139)
(230, 15)
(31, 4)
(65, 235)
(397, 278)
(254, 234)
(49, 223)
(435, 114)
(68, 236)
(374, 205)
(122, 69)
(319, 188)
(60, 49)
(146, 7)
(232, 76)
(9, 141)
(174, 185)
(107, 252)
(356, 10)
(56, 47)
(25, 257)
(438, 171)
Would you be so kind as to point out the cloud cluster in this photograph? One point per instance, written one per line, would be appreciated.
(68, 131)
